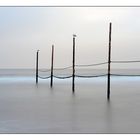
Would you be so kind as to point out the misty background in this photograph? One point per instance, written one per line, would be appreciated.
(23, 30)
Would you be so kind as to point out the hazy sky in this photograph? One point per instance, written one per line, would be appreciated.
(23, 30)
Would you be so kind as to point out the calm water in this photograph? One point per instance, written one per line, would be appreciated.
(31, 72)
(28, 108)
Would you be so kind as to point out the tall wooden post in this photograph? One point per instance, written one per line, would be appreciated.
(37, 66)
(109, 61)
(73, 65)
(52, 59)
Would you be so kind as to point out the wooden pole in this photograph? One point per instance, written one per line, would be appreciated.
(109, 61)
(73, 65)
(51, 84)
(37, 66)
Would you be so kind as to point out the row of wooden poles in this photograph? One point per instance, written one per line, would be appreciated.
(73, 64)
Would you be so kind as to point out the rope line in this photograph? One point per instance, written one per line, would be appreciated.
(64, 77)
(136, 61)
(56, 69)
(44, 77)
(96, 64)
(87, 76)
(88, 65)
(123, 75)
(47, 70)
(63, 68)
(90, 76)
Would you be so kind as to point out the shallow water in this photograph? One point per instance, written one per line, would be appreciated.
(29, 108)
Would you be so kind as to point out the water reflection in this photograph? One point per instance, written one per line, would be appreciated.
(109, 116)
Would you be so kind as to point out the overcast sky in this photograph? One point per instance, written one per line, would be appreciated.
(23, 30)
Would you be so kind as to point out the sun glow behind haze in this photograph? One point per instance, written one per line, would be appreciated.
(24, 30)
